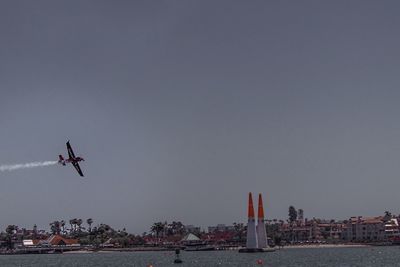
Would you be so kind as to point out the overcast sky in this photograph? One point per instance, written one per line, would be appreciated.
(181, 108)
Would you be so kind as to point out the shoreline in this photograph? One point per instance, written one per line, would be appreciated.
(327, 246)
(161, 249)
(310, 246)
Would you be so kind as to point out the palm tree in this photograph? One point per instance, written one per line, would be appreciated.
(55, 227)
(10, 229)
(165, 228)
(90, 222)
(35, 231)
(62, 223)
(72, 222)
(292, 214)
(157, 228)
(10, 232)
(79, 223)
(388, 216)
(239, 230)
(292, 219)
(180, 228)
(175, 228)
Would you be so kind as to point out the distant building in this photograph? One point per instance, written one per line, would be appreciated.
(220, 228)
(192, 229)
(314, 230)
(191, 239)
(57, 240)
(28, 243)
(365, 229)
(392, 229)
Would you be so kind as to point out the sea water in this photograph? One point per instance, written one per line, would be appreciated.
(296, 257)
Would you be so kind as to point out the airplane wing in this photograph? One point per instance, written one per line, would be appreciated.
(70, 151)
(78, 169)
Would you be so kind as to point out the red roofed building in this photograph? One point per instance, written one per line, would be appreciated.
(57, 240)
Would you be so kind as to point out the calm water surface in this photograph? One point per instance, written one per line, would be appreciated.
(329, 257)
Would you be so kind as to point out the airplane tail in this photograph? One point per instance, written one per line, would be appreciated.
(61, 160)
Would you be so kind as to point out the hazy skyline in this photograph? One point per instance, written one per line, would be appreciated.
(180, 108)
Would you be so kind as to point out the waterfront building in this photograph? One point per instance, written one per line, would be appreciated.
(365, 229)
(392, 231)
(191, 239)
(314, 230)
(57, 240)
(220, 228)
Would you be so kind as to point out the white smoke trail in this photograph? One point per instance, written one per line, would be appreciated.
(26, 165)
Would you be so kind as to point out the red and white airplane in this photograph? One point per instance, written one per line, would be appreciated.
(71, 159)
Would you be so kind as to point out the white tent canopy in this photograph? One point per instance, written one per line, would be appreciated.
(190, 237)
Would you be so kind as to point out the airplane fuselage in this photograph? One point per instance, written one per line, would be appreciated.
(77, 159)
(63, 161)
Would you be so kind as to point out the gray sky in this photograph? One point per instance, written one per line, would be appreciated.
(181, 108)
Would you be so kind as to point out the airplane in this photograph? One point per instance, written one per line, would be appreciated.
(71, 159)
